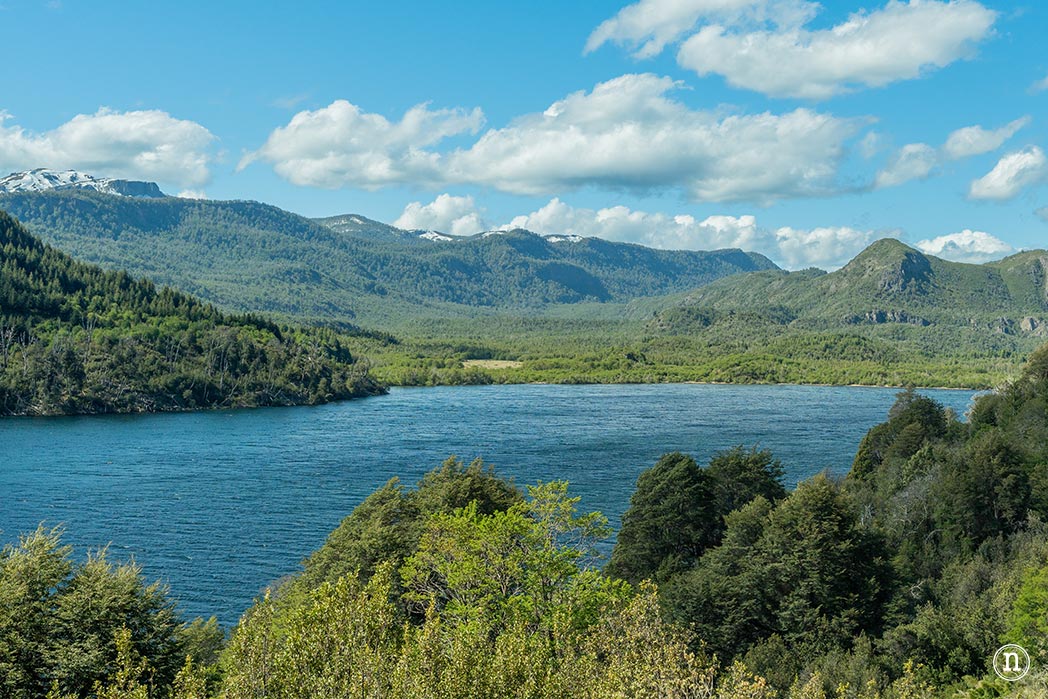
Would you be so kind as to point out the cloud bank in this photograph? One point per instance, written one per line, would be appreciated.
(764, 46)
(967, 246)
(143, 145)
(793, 248)
(626, 133)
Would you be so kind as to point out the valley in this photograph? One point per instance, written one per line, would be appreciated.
(425, 307)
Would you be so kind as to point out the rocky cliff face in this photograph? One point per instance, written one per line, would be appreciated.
(43, 179)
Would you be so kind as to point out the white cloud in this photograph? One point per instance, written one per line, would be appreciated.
(913, 161)
(827, 247)
(872, 49)
(649, 25)
(342, 145)
(446, 213)
(967, 246)
(975, 140)
(1040, 85)
(1042, 213)
(626, 133)
(1012, 173)
(917, 160)
(144, 145)
(870, 144)
(192, 194)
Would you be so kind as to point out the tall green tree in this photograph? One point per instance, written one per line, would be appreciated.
(672, 518)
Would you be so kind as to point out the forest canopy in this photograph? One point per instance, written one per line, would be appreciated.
(77, 339)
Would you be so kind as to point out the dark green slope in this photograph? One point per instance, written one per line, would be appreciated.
(77, 339)
(253, 257)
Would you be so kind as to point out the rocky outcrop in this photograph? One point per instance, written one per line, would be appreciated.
(879, 317)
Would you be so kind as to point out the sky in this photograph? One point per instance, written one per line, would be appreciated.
(799, 130)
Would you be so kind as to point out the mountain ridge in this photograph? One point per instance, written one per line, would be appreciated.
(45, 179)
(891, 282)
(249, 256)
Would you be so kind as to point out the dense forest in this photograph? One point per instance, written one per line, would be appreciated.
(77, 339)
(897, 581)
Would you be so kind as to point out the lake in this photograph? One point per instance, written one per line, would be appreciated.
(219, 504)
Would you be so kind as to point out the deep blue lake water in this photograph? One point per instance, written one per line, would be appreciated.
(219, 504)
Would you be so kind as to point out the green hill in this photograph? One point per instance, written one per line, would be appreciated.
(77, 339)
(890, 282)
(889, 291)
(247, 256)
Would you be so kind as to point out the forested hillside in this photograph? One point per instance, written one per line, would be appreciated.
(77, 339)
(888, 284)
(930, 555)
(252, 257)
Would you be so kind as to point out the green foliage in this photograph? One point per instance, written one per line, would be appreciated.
(510, 607)
(913, 421)
(388, 524)
(677, 511)
(904, 579)
(671, 520)
(65, 626)
(76, 339)
(805, 571)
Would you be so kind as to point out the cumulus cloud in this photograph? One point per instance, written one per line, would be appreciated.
(144, 145)
(446, 213)
(342, 145)
(917, 160)
(647, 27)
(967, 246)
(913, 161)
(1010, 175)
(827, 247)
(626, 133)
(192, 194)
(975, 140)
(763, 45)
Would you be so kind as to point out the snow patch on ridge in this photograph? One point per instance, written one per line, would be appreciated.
(43, 179)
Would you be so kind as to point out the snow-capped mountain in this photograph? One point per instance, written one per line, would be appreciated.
(43, 179)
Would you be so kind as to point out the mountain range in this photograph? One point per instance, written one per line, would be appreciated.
(248, 256)
(561, 307)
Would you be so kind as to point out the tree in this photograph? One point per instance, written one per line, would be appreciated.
(64, 626)
(741, 474)
(672, 518)
(677, 511)
(804, 570)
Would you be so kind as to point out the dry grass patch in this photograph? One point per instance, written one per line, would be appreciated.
(491, 364)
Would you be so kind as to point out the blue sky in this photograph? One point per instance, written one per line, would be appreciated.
(799, 130)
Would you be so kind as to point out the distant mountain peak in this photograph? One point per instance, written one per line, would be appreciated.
(45, 179)
(892, 266)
